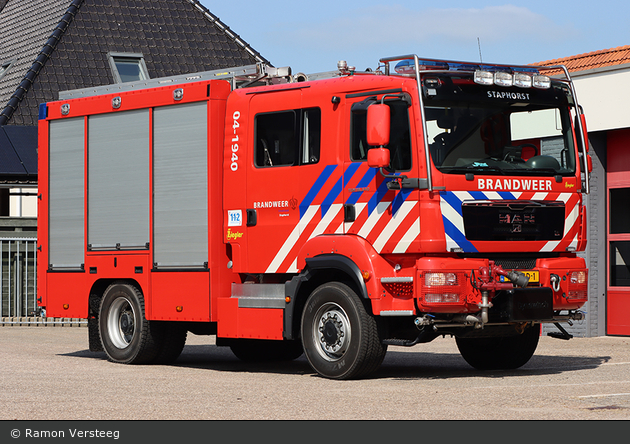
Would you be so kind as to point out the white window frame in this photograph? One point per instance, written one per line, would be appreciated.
(138, 58)
(5, 66)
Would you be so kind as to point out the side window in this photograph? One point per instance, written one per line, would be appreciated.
(287, 138)
(400, 137)
(311, 135)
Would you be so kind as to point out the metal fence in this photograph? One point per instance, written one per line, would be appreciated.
(18, 277)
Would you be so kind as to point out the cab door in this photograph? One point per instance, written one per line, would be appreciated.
(385, 215)
(286, 139)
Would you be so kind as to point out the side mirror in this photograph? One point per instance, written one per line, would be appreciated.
(378, 125)
(378, 158)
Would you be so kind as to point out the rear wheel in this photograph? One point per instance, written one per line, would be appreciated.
(173, 342)
(500, 353)
(341, 339)
(127, 336)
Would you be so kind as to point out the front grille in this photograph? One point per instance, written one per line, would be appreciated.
(513, 220)
(516, 263)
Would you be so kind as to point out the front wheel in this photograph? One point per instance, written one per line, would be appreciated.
(126, 334)
(500, 353)
(341, 339)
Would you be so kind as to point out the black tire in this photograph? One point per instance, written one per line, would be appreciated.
(174, 340)
(262, 350)
(500, 353)
(127, 336)
(341, 339)
(94, 337)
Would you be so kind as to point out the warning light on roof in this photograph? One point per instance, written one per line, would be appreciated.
(485, 74)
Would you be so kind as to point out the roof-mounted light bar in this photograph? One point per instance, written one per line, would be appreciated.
(507, 79)
(500, 75)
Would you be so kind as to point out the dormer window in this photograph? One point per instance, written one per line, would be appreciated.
(4, 67)
(127, 67)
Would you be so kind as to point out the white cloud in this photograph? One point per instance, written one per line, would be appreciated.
(507, 33)
(381, 25)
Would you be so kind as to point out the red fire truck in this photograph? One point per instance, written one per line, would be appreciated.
(331, 214)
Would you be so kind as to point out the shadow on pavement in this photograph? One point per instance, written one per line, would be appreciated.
(397, 364)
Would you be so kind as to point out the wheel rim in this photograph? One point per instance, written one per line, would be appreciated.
(121, 323)
(331, 331)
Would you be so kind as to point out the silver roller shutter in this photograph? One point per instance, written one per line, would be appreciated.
(180, 186)
(66, 193)
(118, 180)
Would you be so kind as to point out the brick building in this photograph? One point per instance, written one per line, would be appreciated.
(601, 81)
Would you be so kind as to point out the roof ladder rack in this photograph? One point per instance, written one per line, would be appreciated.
(239, 76)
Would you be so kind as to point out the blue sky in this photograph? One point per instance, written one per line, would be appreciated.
(311, 36)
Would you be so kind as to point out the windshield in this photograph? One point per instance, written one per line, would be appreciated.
(493, 130)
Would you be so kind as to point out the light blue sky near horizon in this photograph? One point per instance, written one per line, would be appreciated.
(312, 36)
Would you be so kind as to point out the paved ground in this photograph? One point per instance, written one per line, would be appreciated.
(48, 374)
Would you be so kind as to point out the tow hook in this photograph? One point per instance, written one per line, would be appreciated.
(555, 282)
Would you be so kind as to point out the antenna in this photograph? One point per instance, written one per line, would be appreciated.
(479, 45)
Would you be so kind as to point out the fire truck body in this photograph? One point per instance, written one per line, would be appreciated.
(333, 216)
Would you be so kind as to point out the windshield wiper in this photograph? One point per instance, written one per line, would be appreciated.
(481, 169)
(543, 170)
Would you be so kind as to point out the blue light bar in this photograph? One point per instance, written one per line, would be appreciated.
(407, 66)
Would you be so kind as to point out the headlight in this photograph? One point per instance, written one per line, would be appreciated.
(440, 279)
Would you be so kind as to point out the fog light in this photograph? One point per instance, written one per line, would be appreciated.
(444, 298)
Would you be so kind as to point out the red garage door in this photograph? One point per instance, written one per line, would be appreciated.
(618, 182)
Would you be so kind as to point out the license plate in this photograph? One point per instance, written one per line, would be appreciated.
(533, 275)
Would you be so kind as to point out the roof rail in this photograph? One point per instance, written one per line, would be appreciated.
(239, 77)
(454, 65)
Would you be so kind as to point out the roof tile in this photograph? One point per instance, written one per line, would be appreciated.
(593, 60)
(175, 37)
